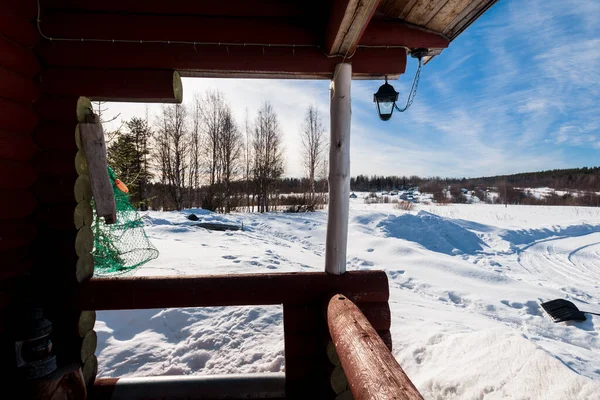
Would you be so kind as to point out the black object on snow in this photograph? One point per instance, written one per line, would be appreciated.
(193, 217)
(561, 310)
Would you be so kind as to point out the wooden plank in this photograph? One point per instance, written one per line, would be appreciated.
(244, 61)
(15, 117)
(17, 88)
(16, 147)
(16, 203)
(19, 30)
(17, 58)
(423, 11)
(371, 369)
(92, 139)
(161, 86)
(16, 175)
(16, 234)
(229, 290)
(396, 8)
(384, 32)
(347, 22)
(291, 31)
(233, 8)
(467, 16)
(446, 14)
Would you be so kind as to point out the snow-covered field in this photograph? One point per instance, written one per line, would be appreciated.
(465, 282)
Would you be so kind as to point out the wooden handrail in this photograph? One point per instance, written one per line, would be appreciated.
(127, 293)
(371, 370)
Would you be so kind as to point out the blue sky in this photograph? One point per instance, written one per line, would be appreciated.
(517, 91)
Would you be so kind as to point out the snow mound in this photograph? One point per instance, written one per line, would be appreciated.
(432, 232)
(513, 367)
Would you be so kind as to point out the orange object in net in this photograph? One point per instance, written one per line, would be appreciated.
(122, 187)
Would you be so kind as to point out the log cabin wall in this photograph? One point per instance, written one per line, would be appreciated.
(37, 201)
(19, 67)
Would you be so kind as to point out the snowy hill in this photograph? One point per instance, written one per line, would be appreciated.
(465, 286)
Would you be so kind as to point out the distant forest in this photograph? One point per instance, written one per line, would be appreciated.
(581, 186)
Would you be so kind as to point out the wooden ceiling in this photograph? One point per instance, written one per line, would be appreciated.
(267, 38)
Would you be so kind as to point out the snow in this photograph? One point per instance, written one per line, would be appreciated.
(465, 286)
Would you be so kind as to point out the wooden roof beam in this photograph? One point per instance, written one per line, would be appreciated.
(347, 22)
(245, 61)
(230, 8)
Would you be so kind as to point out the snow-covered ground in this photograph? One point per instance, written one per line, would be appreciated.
(465, 286)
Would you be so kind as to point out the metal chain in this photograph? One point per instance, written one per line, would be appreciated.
(413, 89)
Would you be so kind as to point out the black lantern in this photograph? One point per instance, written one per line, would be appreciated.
(385, 98)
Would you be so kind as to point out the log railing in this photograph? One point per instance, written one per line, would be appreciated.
(371, 370)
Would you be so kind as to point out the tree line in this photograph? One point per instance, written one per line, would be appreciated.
(201, 156)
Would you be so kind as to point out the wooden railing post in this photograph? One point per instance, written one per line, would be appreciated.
(370, 368)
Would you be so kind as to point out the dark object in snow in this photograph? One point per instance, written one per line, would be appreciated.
(193, 217)
(218, 227)
(561, 310)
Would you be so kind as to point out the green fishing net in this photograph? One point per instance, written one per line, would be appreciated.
(123, 246)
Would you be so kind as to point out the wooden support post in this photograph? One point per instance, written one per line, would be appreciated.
(371, 369)
(92, 140)
(339, 171)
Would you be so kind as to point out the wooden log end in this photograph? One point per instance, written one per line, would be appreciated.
(88, 345)
(87, 320)
(177, 87)
(84, 108)
(85, 268)
(90, 370)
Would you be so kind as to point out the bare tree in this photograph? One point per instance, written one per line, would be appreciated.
(212, 110)
(247, 157)
(171, 154)
(230, 145)
(313, 149)
(268, 154)
(195, 152)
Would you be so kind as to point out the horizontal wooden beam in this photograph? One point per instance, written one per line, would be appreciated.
(15, 117)
(228, 290)
(285, 62)
(16, 174)
(16, 234)
(157, 86)
(348, 20)
(232, 386)
(16, 204)
(181, 28)
(17, 58)
(17, 147)
(371, 369)
(389, 32)
(233, 8)
(19, 29)
(17, 88)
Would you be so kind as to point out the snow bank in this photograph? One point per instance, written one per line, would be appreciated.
(465, 281)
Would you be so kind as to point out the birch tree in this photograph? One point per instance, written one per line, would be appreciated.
(313, 150)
